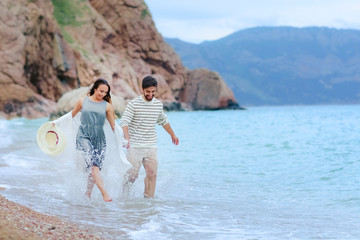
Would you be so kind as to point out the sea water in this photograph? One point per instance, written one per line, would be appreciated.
(264, 173)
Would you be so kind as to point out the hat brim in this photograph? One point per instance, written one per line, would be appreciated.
(50, 139)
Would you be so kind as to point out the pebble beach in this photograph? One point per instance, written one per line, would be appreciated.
(20, 222)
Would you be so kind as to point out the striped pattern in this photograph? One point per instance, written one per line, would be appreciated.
(141, 117)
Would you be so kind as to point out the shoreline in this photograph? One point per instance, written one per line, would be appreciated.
(20, 222)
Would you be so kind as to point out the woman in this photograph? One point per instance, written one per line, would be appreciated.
(90, 139)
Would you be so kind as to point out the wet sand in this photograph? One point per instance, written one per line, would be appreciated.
(20, 222)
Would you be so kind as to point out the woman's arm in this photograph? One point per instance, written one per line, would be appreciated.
(77, 107)
(110, 114)
(65, 118)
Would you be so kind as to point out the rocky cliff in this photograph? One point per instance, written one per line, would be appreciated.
(48, 48)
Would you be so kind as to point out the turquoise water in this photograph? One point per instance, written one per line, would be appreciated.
(264, 173)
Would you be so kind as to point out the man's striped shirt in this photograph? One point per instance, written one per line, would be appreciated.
(141, 117)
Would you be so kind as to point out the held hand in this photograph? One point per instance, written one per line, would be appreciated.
(175, 140)
(126, 144)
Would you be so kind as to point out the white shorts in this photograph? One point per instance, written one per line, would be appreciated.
(138, 156)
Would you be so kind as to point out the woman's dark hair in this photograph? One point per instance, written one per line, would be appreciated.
(96, 84)
(149, 81)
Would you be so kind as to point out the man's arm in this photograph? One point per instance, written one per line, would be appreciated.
(174, 138)
(125, 120)
(126, 136)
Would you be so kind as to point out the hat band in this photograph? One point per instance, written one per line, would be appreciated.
(57, 137)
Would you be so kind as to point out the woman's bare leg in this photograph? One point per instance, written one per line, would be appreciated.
(95, 172)
(90, 185)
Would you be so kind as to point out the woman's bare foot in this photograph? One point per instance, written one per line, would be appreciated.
(88, 194)
(107, 198)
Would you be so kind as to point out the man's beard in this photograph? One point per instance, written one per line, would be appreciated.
(147, 97)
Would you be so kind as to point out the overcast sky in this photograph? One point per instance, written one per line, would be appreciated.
(199, 20)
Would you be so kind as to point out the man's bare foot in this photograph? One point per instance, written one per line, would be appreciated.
(147, 196)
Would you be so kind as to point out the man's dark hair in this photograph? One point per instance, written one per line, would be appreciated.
(149, 81)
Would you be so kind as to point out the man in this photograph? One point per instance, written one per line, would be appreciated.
(139, 126)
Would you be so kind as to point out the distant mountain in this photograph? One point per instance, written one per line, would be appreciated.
(282, 65)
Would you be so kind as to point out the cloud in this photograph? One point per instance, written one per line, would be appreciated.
(195, 31)
(196, 21)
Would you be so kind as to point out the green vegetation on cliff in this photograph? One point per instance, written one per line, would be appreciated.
(69, 12)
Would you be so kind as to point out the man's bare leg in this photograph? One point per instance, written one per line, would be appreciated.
(151, 166)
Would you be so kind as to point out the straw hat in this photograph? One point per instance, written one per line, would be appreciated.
(50, 139)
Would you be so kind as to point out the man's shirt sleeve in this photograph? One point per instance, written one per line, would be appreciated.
(128, 115)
